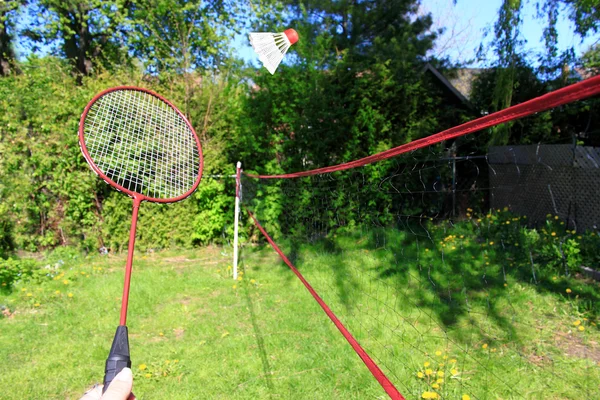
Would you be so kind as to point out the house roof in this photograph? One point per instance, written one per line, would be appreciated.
(461, 85)
(463, 82)
(446, 83)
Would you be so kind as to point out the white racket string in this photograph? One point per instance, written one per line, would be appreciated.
(142, 144)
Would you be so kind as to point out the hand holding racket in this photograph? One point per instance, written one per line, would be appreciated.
(140, 144)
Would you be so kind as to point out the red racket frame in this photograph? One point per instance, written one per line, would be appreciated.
(137, 198)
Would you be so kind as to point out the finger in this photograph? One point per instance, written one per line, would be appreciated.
(120, 387)
(93, 394)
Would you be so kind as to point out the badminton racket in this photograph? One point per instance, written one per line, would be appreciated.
(142, 145)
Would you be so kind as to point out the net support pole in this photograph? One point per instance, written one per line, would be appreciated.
(236, 218)
(454, 185)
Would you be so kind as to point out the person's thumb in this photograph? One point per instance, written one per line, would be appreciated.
(120, 387)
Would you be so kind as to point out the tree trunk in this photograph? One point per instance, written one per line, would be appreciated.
(7, 55)
(77, 47)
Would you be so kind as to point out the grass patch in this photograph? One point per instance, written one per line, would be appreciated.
(484, 329)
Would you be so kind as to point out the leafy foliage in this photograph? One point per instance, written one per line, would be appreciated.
(49, 195)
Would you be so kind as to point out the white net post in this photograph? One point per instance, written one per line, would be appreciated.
(238, 188)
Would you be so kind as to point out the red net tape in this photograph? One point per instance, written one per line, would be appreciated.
(389, 388)
(577, 91)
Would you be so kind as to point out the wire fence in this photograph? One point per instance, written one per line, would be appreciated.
(538, 180)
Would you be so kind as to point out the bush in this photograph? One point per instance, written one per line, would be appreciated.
(14, 269)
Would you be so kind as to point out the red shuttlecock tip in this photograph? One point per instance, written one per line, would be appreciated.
(292, 35)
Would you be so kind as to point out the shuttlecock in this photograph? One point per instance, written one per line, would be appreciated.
(271, 47)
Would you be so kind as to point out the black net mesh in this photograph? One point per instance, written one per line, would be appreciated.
(459, 275)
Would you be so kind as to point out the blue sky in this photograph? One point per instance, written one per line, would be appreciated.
(469, 19)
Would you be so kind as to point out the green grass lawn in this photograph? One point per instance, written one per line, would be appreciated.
(466, 319)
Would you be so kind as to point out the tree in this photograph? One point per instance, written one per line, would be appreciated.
(8, 9)
(526, 85)
(176, 36)
(86, 31)
(354, 86)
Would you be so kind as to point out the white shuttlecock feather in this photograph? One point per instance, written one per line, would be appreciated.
(271, 47)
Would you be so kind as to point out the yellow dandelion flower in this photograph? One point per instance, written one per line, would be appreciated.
(462, 236)
(218, 270)
(161, 334)
(38, 304)
(568, 290)
(29, 294)
(491, 243)
(420, 374)
(441, 365)
(438, 353)
(430, 395)
(439, 381)
(148, 375)
(465, 397)
(435, 386)
(428, 371)
(234, 286)
(577, 323)
(225, 334)
(507, 222)
(167, 361)
(556, 217)
(82, 273)
(66, 282)
(453, 361)
(445, 357)
(253, 281)
(506, 285)
(70, 295)
(440, 374)
(484, 346)
(454, 371)
(239, 278)
(426, 364)
(142, 367)
(581, 328)
(553, 234)
(493, 350)
(57, 292)
(23, 290)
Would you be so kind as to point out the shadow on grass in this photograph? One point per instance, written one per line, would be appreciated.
(260, 342)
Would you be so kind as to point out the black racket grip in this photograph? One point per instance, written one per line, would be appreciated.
(118, 358)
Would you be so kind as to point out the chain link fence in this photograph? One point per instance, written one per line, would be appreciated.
(537, 180)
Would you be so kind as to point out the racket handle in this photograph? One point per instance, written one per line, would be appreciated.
(118, 358)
